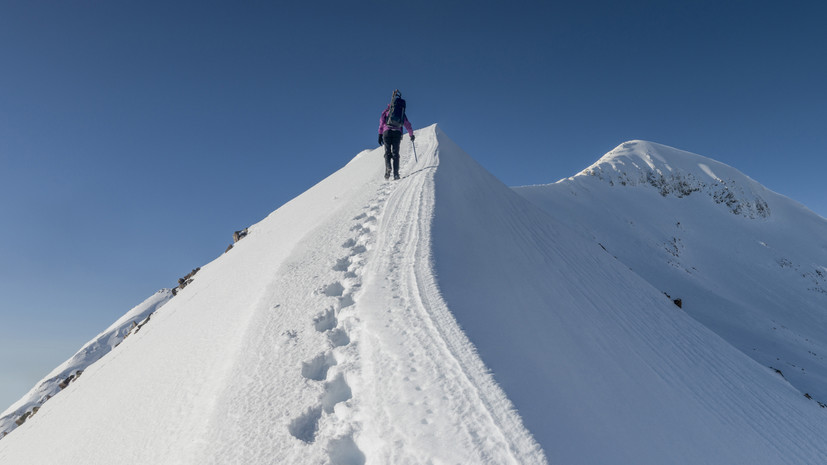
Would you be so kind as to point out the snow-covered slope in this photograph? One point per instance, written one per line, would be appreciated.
(71, 369)
(438, 319)
(746, 262)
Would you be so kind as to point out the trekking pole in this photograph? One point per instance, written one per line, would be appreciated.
(414, 149)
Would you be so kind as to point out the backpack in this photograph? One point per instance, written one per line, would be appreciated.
(396, 112)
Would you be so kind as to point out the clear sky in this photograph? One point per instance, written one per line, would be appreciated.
(135, 137)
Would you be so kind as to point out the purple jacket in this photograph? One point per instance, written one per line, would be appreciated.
(383, 126)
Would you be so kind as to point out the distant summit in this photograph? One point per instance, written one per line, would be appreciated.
(679, 173)
(748, 263)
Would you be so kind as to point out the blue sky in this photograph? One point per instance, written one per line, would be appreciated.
(135, 137)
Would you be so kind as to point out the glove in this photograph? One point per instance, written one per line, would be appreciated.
(381, 142)
(412, 137)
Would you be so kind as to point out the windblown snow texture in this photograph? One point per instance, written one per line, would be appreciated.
(441, 318)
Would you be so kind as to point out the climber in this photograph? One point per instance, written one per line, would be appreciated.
(390, 132)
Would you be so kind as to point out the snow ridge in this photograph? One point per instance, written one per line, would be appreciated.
(679, 173)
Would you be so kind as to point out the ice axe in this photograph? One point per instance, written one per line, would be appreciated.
(414, 150)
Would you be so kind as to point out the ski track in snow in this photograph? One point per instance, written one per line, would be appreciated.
(420, 363)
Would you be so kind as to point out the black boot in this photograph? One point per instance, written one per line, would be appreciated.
(395, 166)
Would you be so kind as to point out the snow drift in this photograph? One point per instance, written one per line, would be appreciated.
(442, 318)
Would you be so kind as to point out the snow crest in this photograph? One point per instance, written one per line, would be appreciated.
(680, 174)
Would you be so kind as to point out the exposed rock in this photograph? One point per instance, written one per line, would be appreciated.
(138, 327)
(238, 235)
(678, 302)
(65, 383)
(23, 419)
(73, 377)
(186, 280)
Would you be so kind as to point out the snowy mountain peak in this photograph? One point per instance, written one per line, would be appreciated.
(679, 173)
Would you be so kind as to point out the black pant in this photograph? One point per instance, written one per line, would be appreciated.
(392, 139)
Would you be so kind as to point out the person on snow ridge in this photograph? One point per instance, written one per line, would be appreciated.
(390, 135)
